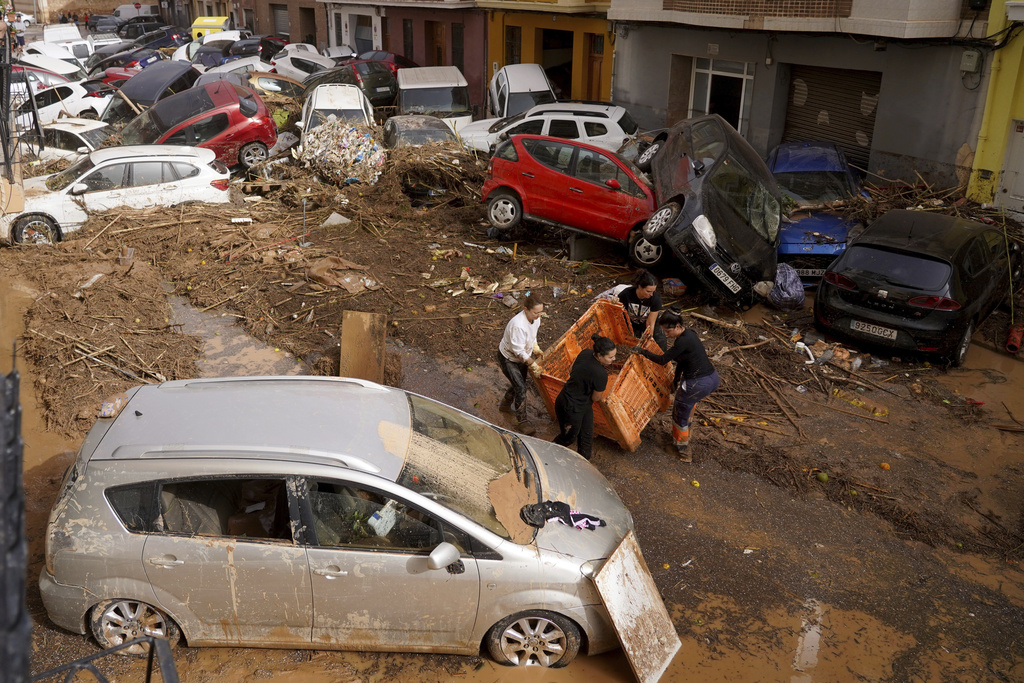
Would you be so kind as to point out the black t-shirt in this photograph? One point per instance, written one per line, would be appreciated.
(689, 354)
(638, 309)
(586, 377)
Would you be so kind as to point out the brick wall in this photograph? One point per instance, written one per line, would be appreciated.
(763, 8)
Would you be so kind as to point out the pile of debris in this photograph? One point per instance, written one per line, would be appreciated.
(343, 152)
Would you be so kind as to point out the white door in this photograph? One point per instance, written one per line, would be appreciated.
(1011, 185)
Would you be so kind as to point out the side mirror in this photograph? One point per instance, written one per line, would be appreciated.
(79, 188)
(503, 136)
(698, 168)
(442, 556)
(300, 124)
(613, 183)
(82, 150)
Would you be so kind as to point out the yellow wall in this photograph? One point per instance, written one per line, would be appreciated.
(532, 23)
(1004, 102)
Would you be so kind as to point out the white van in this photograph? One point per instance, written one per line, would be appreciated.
(61, 33)
(126, 12)
(440, 91)
(518, 87)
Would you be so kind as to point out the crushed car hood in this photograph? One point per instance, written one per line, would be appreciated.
(568, 478)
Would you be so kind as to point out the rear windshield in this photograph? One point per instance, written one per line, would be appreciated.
(627, 124)
(897, 268)
(440, 101)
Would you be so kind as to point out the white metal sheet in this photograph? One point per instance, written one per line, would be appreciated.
(638, 614)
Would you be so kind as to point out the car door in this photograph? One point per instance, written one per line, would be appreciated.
(543, 175)
(372, 588)
(203, 133)
(105, 187)
(152, 183)
(225, 562)
(602, 197)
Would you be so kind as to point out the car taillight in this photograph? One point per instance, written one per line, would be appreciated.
(834, 278)
(490, 167)
(938, 303)
(132, 65)
(176, 36)
(221, 184)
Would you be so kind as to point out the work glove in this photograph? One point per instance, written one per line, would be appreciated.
(536, 349)
(536, 370)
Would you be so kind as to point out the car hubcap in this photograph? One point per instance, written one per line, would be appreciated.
(126, 620)
(658, 223)
(37, 232)
(646, 252)
(649, 153)
(503, 213)
(254, 156)
(533, 641)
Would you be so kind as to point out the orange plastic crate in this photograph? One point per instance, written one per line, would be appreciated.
(638, 391)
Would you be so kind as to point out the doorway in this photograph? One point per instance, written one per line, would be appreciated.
(595, 66)
(307, 25)
(435, 37)
(722, 87)
(556, 58)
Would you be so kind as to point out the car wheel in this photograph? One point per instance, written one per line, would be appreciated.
(645, 253)
(504, 210)
(252, 154)
(36, 230)
(534, 638)
(660, 221)
(115, 622)
(643, 162)
(962, 347)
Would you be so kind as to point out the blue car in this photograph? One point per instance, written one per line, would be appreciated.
(812, 175)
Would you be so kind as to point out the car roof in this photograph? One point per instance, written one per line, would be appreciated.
(431, 77)
(340, 421)
(273, 74)
(794, 157)
(105, 154)
(154, 79)
(924, 232)
(575, 109)
(331, 95)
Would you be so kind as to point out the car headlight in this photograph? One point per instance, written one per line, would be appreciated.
(706, 233)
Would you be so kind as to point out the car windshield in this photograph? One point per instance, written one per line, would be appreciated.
(147, 127)
(741, 191)
(453, 458)
(896, 268)
(58, 181)
(96, 136)
(322, 116)
(521, 101)
(507, 121)
(808, 188)
(443, 101)
(423, 136)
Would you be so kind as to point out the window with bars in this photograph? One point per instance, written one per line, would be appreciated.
(513, 44)
(458, 46)
(407, 45)
(339, 29)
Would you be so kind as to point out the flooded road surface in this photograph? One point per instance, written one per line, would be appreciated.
(761, 584)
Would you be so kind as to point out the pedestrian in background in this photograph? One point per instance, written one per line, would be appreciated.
(587, 383)
(695, 377)
(515, 358)
(642, 303)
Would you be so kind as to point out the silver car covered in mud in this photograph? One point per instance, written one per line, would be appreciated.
(325, 513)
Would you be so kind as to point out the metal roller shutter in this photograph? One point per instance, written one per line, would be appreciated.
(834, 105)
(280, 14)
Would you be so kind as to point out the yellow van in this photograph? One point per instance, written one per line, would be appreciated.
(204, 25)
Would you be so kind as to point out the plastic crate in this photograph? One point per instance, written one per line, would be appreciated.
(638, 389)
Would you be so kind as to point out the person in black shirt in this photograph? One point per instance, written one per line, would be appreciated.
(588, 382)
(642, 303)
(695, 377)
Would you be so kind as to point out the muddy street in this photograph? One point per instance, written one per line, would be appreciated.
(765, 580)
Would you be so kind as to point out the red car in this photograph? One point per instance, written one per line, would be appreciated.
(115, 76)
(394, 62)
(571, 185)
(227, 118)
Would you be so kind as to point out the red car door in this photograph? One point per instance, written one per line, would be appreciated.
(603, 197)
(543, 175)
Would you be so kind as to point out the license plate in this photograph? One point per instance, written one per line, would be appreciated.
(810, 272)
(875, 330)
(724, 277)
(384, 89)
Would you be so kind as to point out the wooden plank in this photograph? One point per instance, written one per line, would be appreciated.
(362, 345)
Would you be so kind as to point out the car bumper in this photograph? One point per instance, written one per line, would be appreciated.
(938, 334)
(65, 605)
(715, 272)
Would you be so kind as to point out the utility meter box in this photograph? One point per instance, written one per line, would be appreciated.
(970, 61)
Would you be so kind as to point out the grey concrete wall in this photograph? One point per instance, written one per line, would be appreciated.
(926, 113)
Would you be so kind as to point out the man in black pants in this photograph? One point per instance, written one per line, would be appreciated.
(515, 358)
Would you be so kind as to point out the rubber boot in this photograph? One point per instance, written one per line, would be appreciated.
(506, 404)
(681, 440)
(526, 427)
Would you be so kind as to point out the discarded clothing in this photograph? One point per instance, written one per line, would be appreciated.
(554, 511)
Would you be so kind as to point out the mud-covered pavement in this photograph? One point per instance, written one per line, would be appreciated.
(904, 573)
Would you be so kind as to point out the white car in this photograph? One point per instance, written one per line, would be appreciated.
(339, 52)
(603, 125)
(132, 176)
(85, 99)
(299, 60)
(56, 50)
(341, 100)
(242, 65)
(518, 87)
(27, 19)
(69, 139)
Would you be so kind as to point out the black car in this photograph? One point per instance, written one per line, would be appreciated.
(917, 281)
(212, 53)
(95, 19)
(132, 30)
(375, 79)
(104, 51)
(168, 36)
(265, 47)
(150, 85)
(719, 207)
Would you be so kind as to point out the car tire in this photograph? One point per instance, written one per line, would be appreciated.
(252, 154)
(660, 221)
(504, 210)
(959, 354)
(644, 253)
(36, 230)
(646, 158)
(115, 622)
(534, 637)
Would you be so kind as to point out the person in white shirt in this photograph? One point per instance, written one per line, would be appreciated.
(515, 358)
